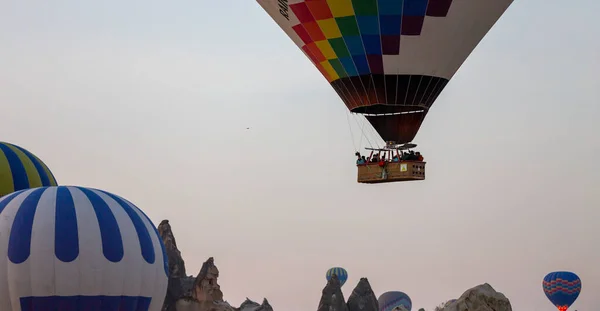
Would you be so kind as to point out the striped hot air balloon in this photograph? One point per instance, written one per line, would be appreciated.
(78, 249)
(562, 288)
(20, 169)
(388, 301)
(341, 273)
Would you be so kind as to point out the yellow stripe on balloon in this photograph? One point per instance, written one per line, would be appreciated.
(6, 179)
(329, 28)
(330, 71)
(32, 174)
(341, 8)
(326, 49)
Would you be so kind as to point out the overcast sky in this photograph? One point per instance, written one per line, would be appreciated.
(151, 100)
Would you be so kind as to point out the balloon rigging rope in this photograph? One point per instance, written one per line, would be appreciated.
(351, 132)
(348, 111)
(362, 129)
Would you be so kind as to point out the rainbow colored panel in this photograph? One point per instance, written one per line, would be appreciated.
(348, 38)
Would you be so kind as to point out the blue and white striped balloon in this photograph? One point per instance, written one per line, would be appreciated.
(75, 249)
(389, 301)
(341, 273)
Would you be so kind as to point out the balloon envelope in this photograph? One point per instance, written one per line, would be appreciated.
(75, 248)
(390, 300)
(562, 288)
(389, 60)
(341, 273)
(20, 169)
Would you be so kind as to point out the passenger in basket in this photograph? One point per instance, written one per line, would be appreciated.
(360, 159)
(405, 156)
(412, 156)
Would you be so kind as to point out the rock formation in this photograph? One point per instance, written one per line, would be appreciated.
(200, 293)
(332, 298)
(203, 293)
(176, 263)
(363, 298)
(206, 287)
(479, 298)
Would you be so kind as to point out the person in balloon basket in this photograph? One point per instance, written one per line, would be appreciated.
(412, 156)
(372, 158)
(381, 161)
(360, 159)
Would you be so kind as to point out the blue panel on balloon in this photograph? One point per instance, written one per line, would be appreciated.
(390, 24)
(372, 44)
(85, 303)
(355, 45)
(368, 25)
(389, 7)
(415, 7)
(348, 64)
(362, 65)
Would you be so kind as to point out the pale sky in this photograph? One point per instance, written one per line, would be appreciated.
(151, 100)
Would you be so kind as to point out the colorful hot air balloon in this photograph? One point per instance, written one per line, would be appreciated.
(562, 288)
(387, 59)
(20, 169)
(74, 248)
(390, 300)
(341, 273)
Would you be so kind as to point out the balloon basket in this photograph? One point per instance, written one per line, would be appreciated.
(372, 173)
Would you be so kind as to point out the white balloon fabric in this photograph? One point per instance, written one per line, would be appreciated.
(71, 248)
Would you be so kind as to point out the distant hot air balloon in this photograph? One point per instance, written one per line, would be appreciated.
(387, 60)
(390, 300)
(341, 273)
(562, 288)
(74, 248)
(20, 169)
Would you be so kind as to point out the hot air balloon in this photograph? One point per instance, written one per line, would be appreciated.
(74, 248)
(388, 60)
(341, 273)
(20, 169)
(390, 300)
(562, 288)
